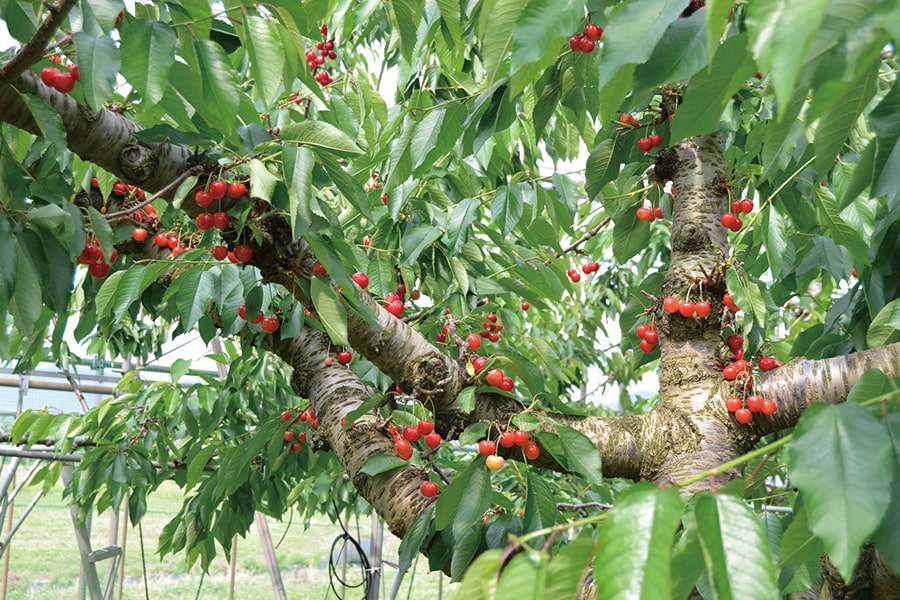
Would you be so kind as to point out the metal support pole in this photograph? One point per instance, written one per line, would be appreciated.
(24, 380)
(124, 541)
(232, 567)
(376, 542)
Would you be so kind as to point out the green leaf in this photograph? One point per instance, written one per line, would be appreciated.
(320, 134)
(406, 16)
(540, 504)
(102, 231)
(507, 207)
(118, 291)
(193, 296)
(197, 465)
(798, 544)
(780, 34)
(464, 501)
(885, 327)
(635, 542)
(466, 399)
(540, 30)
(841, 461)
(679, 54)
(262, 181)
(416, 241)
(461, 217)
(348, 186)
(329, 310)
(582, 454)
(872, 384)
(711, 90)
(567, 567)
(221, 89)
(837, 229)
(523, 578)
(885, 122)
(382, 463)
(717, 13)
(633, 32)
(298, 169)
(23, 304)
(837, 123)
(49, 122)
(630, 235)
(413, 540)
(480, 581)
(735, 549)
(495, 30)
(266, 57)
(98, 65)
(148, 52)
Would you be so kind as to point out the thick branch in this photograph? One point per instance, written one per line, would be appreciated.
(104, 138)
(801, 382)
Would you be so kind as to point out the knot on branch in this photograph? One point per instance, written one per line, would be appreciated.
(139, 161)
(690, 237)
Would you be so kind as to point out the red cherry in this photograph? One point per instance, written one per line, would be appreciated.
(702, 309)
(440, 338)
(747, 205)
(243, 253)
(203, 198)
(48, 75)
(730, 303)
(367, 241)
(586, 44)
(495, 462)
(487, 447)
(686, 309)
(433, 439)
(64, 81)
(732, 404)
(727, 220)
(360, 279)
(736, 226)
(641, 330)
(754, 402)
(288, 436)
(507, 439)
(217, 189)
(526, 306)
(493, 336)
(259, 318)
(644, 214)
(219, 252)
(657, 212)
(403, 448)
(474, 341)
(99, 270)
(730, 372)
(411, 433)
(139, 234)
(204, 221)
(735, 206)
(644, 144)
(766, 363)
(287, 416)
(301, 437)
(738, 354)
(655, 139)
(574, 276)
(172, 241)
(520, 437)
(242, 311)
(735, 341)
(429, 489)
(507, 384)
(296, 447)
(768, 407)
(396, 308)
(652, 337)
(593, 31)
(318, 269)
(647, 347)
(401, 290)
(575, 42)
(532, 451)
(220, 220)
(323, 29)
(425, 426)
(345, 357)
(237, 189)
(231, 258)
(490, 317)
(415, 295)
(741, 365)
(494, 377)
(671, 304)
(478, 363)
(743, 415)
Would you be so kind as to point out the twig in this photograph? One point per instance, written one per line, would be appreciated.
(583, 505)
(590, 233)
(165, 190)
(76, 388)
(32, 50)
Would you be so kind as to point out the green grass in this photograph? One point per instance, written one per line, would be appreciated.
(44, 562)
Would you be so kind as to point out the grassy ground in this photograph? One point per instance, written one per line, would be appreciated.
(44, 562)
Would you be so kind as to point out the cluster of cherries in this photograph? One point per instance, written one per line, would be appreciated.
(686, 309)
(649, 336)
(92, 256)
(645, 213)
(316, 60)
(344, 357)
(423, 432)
(494, 377)
(268, 324)
(646, 144)
(61, 81)
(587, 41)
(216, 191)
(587, 268)
(296, 439)
(508, 439)
(740, 370)
(731, 220)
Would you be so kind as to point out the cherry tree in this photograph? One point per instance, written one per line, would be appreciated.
(419, 300)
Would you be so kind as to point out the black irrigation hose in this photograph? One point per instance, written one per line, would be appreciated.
(334, 576)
